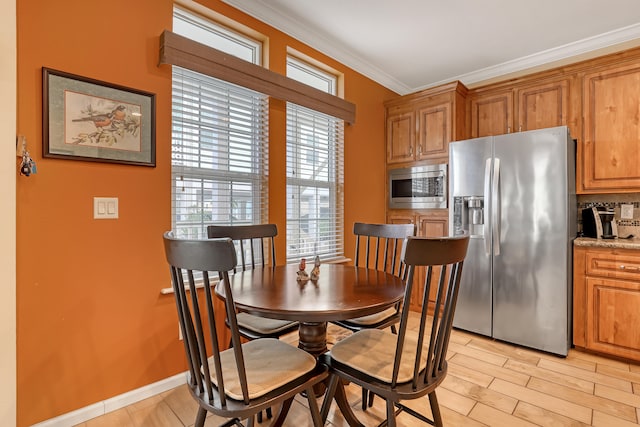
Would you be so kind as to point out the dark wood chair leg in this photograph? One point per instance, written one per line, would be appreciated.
(268, 412)
(313, 407)
(233, 422)
(282, 414)
(435, 409)
(202, 415)
(391, 414)
(328, 397)
(365, 400)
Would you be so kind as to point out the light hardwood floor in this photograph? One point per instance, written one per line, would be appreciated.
(489, 383)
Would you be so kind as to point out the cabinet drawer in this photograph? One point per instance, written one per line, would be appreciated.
(611, 265)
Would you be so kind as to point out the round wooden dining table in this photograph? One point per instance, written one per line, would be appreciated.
(341, 292)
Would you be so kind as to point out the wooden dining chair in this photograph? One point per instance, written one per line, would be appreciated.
(408, 365)
(250, 242)
(239, 382)
(378, 247)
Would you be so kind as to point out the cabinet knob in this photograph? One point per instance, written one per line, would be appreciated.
(626, 267)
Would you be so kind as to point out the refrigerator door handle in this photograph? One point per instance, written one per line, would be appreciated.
(495, 201)
(487, 189)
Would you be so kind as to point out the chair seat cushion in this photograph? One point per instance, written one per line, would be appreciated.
(372, 352)
(373, 319)
(263, 325)
(269, 364)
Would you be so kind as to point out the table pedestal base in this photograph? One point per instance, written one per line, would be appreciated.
(313, 337)
(313, 340)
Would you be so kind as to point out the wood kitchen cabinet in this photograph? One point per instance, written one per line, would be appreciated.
(491, 113)
(431, 224)
(522, 106)
(543, 105)
(606, 301)
(609, 150)
(419, 134)
(597, 99)
(401, 136)
(420, 126)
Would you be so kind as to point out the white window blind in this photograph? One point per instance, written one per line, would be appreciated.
(314, 176)
(219, 152)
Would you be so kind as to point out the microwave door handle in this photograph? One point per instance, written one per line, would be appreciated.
(487, 189)
(496, 214)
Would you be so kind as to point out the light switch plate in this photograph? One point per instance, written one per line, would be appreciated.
(626, 211)
(105, 208)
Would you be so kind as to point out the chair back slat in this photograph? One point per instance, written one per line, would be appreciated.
(251, 241)
(242, 261)
(383, 255)
(443, 257)
(186, 325)
(191, 262)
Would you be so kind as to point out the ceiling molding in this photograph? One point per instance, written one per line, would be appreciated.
(571, 52)
(578, 50)
(288, 25)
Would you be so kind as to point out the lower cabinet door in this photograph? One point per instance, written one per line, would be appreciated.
(431, 226)
(613, 317)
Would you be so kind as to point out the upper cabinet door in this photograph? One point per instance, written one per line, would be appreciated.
(543, 106)
(609, 151)
(401, 135)
(434, 131)
(491, 114)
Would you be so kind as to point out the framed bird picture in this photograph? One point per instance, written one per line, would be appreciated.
(92, 120)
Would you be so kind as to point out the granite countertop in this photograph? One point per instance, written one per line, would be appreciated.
(633, 243)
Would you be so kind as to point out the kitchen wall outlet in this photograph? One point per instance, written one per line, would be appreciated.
(626, 211)
(105, 208)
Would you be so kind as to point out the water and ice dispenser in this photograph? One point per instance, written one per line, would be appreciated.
(468, 215)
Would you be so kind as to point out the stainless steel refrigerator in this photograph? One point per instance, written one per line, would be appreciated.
(515, 195)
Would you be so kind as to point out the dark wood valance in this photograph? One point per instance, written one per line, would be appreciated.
(186, 53)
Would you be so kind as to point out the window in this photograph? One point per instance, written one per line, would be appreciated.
(219, 139)
(314, 172)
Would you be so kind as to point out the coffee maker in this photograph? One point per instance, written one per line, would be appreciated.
(599, 222)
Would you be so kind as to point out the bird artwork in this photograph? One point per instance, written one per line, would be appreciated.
(119, 113)
(100, 120)
(110, 126)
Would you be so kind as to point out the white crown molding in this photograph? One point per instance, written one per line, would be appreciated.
(580, 49)
(261, 10)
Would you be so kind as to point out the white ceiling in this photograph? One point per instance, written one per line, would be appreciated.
(408, 45)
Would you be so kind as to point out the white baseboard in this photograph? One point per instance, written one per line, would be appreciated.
(97, 409)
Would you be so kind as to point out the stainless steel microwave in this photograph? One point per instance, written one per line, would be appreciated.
(418, 187)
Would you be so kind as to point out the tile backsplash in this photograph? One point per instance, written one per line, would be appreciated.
(615, 201)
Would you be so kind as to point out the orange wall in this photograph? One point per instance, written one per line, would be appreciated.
(91, 323)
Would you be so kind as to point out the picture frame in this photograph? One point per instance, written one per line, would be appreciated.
(92, 120)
